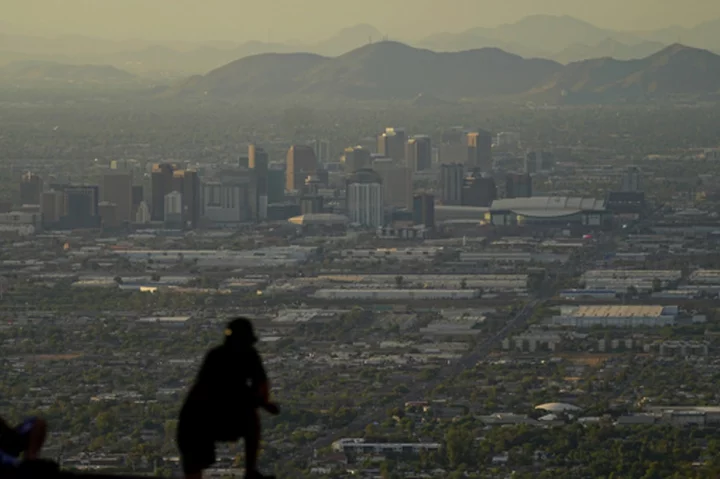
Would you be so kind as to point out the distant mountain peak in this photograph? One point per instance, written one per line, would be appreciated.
(680, 49)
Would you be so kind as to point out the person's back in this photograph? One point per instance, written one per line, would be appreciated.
(226, 386)
(222, 403)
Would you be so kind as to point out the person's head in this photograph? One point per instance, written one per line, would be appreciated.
(239, 333)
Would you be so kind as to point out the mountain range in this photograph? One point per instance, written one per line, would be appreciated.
(391, 70)
(560, 38)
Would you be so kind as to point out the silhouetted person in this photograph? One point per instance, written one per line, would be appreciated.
(222, 405)
(26, 439)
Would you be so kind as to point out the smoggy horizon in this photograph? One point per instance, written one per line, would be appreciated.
(314, 20)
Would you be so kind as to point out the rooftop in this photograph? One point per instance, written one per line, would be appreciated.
(633, 311)
(548, 205)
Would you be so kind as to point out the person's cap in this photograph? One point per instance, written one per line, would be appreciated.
(240, 330)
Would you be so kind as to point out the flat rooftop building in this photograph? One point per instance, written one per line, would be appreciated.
(615, 316)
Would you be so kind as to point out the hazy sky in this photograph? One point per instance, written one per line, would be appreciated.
(280, 20)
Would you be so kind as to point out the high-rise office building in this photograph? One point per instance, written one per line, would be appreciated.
(116, 188)
(632, 180)
(478, 190)
(397, 182)
(391, 143)
(142, 216)
(453, 146)
(301, 163)
(187, 183)
(424, 210)
(174, 209)
(364, 198)
(81, 207)
(31, 188)
(311, 204)
(276, 186)
(419, 153)
(312, 186)
(518, 185)
(322, 150)
(259, 162)
(451, 183)
(52, 207)
(356, 158)
(479, 150)
(243, 161)
(108, 215)
(230, 201)
(138, 196)
(162, 184)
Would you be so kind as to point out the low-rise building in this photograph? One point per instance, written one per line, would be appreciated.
(615, 316)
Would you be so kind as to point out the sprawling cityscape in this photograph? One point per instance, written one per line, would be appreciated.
(481, 254)
(446, 305)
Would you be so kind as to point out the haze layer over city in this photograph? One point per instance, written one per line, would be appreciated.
(473, 239)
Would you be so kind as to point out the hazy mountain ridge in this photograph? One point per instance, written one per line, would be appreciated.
(608, 48)
(392, 70)
(385, 70)
(677, 70)
(560, 38)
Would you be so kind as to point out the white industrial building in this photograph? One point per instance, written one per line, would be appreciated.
(512, 257)
(399, 254)
(396, 294)
(486, 282)
(532, 341)
(678, 348)
(272, 256)
(621, 279)
(358, 445)
(615, 316)
(705, 278)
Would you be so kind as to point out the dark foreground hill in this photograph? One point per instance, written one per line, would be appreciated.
(390, 70)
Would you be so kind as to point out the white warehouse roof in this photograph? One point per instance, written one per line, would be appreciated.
(548, 205)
